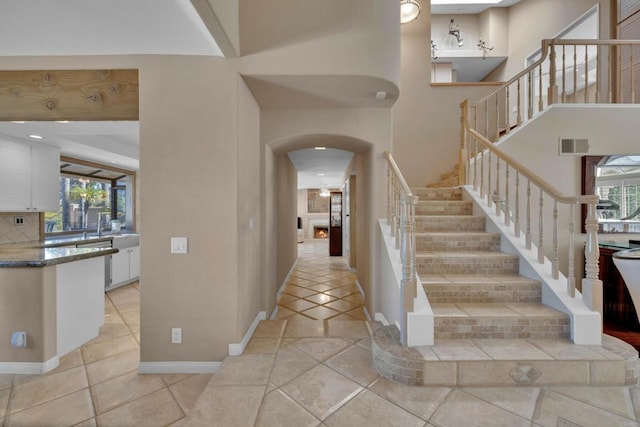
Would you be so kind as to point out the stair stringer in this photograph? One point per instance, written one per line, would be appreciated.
(586, 324)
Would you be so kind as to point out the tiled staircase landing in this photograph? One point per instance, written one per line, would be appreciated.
(490, 325)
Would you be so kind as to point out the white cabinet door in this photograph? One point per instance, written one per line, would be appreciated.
(125, 265)
(15, 176)
(29, 177)
(45, 179)
(134, 262)
(120, 267)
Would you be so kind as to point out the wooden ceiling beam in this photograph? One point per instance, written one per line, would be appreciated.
(69, 95)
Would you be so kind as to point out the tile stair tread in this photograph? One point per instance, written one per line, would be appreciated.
(528, 310)
(465, 254)
(481, 279)
(499, 349)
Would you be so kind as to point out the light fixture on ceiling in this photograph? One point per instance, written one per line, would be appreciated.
(324, 192)
(34, 136)
(19, 122)
(409, 10)
(320, 174)
(320, 148)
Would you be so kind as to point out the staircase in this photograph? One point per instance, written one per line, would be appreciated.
(475, 290)
(447, 180)
(490, 326)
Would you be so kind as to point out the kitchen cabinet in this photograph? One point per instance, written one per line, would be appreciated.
(29, 177)
(125, 266)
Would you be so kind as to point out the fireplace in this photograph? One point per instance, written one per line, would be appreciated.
(320, 232)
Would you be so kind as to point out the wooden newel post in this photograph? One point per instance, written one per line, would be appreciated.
(408, 258)
(552, 92)
(591, 285)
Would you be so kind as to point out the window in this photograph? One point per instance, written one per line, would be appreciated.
(618, 190)
(91, 196)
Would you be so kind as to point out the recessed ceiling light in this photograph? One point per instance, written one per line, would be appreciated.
(381, 94)
(18, 121)
(34, 136)
(320, 174)
(320, 148)
(62, 121)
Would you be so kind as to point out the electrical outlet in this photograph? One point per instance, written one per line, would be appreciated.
(176, 335)
(19, 339)
(18, 220)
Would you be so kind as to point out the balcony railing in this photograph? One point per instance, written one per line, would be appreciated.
(568, 71)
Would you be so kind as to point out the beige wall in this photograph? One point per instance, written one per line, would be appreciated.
(426, 119)
(28, 303)
(249, 214)
(530, 21)
(320, 38)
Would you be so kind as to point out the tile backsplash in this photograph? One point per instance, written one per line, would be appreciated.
(12, 233)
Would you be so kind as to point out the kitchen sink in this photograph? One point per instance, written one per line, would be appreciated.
(121, 241)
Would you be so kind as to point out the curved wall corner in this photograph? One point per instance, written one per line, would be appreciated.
(331, 37)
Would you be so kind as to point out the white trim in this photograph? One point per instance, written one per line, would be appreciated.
(286, 279)
(360, 289)
(178, 367)
(274, 313)
(366, 312)
(380, 318)
(29, 368)
(237, 349)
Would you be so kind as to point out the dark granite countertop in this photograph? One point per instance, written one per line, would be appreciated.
(38, 254)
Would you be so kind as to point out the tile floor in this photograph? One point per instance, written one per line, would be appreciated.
(303, 369)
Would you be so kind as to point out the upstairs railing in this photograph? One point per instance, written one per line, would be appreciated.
(401, 218)
(568, 71)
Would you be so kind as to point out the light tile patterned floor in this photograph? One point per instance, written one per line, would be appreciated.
(296, 371)
(320, 287)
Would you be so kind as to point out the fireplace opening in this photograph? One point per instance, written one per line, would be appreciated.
(320, 232)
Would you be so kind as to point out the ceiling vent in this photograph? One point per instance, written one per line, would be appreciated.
(572, 146)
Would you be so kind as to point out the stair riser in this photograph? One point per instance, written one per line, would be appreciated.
(437, 193)
(500, 328)
(426, 224)
(482, 293)
(441, 207)
(432, 243)
(475, 265)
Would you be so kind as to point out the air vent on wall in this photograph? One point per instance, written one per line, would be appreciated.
(569, 146)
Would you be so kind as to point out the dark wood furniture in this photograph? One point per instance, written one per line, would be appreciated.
(335, 223)
(618, 308)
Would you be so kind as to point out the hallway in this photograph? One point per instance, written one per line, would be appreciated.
(320, 287)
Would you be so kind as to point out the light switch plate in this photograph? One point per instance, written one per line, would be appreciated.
(179, 245)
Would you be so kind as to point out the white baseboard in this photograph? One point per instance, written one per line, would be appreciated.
(360, 289)
(178, 367)
(380, 318)
(238, 348)
(274, 313)
(29, 368)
